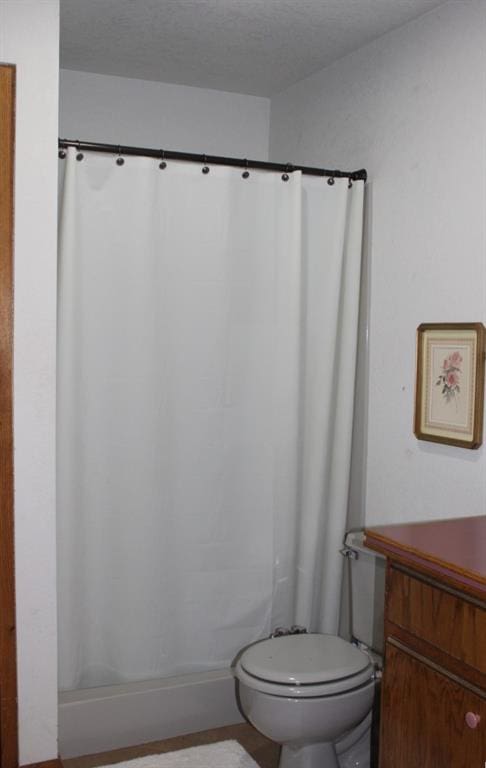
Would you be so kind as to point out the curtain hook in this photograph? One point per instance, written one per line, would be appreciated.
(246, 172)
(350, 182)
(162, 164)
(205, 168)
(119, 159)
(79, 154)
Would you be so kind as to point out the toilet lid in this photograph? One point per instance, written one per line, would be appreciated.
(303, 659)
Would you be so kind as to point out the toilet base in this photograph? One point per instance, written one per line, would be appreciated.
(309, 756)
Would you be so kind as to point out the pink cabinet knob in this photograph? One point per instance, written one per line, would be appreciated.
(472, 719)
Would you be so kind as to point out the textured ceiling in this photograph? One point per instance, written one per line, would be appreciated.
(249, 46)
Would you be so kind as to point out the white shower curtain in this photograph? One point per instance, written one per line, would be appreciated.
(207, 345)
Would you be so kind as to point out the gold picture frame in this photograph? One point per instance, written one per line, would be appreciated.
(449, 392)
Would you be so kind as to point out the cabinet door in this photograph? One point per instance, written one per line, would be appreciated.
(424, 717)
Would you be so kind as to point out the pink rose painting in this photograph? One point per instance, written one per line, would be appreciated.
(450, 376)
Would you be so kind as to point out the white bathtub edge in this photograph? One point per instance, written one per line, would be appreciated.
(100, 719)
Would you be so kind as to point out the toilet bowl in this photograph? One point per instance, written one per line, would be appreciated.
(305, 692)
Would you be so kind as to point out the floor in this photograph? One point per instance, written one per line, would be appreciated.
(264, 752)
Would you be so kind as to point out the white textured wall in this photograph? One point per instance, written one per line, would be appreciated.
(119, 110)
(411, 107)
(29, 39)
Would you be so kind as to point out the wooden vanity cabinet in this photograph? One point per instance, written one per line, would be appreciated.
(433, 700)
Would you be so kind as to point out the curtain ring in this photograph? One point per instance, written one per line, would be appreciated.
(205, 168)
(246, 172)
(79, 154)
(288, 169)
(119, 159)
(162, 164)
(62, 153)
(330, 181)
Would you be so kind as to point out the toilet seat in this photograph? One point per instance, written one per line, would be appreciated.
(304, 666)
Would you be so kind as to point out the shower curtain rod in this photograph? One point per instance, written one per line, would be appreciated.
(162, 154)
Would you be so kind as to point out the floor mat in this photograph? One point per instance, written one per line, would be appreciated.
(223, 754)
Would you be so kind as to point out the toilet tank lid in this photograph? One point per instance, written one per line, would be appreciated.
(303, 659)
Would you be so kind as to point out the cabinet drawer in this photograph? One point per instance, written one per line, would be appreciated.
(454, 624)
(428, 720)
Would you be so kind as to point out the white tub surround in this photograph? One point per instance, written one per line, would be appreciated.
(100, 719)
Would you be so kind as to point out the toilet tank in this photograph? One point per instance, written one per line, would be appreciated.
(367, 591)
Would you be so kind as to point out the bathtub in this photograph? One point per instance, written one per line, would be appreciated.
(99, 719)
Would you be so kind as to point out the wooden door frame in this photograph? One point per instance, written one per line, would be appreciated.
(8, 655)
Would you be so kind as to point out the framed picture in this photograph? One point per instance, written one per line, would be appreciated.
(449, 394)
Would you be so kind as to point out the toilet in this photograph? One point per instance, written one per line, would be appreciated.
(313, 693)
